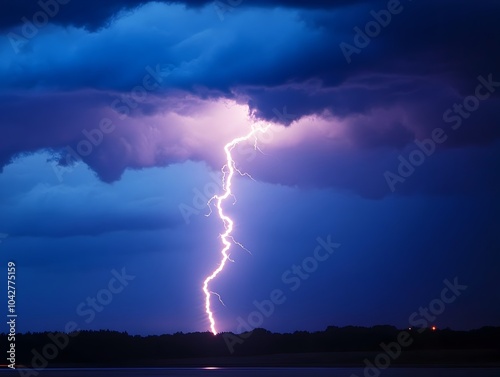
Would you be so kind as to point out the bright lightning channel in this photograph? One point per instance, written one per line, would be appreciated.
(228, 171)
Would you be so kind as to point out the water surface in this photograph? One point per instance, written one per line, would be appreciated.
(258, 372)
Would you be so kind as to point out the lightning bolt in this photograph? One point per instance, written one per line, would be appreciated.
(228, 171)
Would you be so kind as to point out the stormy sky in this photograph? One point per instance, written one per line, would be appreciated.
(383, 137)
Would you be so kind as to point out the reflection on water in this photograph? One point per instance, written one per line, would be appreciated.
(258, 372)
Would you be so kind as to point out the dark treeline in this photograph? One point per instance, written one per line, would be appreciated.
(119, 347)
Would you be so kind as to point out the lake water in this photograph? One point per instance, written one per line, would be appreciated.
(258, 372)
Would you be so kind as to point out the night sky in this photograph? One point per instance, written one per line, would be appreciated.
(384, 138)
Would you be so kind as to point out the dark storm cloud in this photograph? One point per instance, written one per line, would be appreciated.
(61, 124)
(95, 14)
(425, 48)
(428, 50)
(426, 59)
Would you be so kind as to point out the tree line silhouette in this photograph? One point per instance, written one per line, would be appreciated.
(120, 348)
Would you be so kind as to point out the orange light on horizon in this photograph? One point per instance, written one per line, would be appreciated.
(433, 328)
